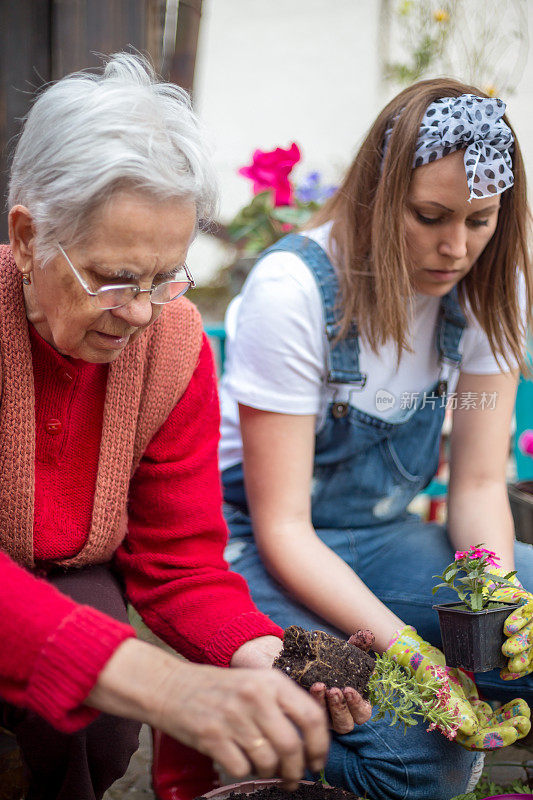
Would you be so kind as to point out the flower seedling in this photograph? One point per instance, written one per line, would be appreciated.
(315, 656)
(466, 576)
(398, 695)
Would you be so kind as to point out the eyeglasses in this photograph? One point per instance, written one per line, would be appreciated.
(117, 295)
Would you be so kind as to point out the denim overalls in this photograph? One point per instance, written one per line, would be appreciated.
(366, 472)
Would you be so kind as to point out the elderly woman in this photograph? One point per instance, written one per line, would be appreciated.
(108, 436)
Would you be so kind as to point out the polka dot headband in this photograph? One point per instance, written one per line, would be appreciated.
(474, 123)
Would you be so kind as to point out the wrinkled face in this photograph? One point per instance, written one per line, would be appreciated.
(445, 234)
(133, 240)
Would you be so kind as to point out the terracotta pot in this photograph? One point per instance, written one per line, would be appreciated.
(246, 786)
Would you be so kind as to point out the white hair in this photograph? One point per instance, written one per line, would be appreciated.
(88, 135)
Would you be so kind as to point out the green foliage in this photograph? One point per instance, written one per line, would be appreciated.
(467, 577)
(396, 693)
(322, 777)
(425, 27)
(471, 40)
(486, 788)
(260, 224)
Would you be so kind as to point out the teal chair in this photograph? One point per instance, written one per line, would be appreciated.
(524, 420)
(217, 336)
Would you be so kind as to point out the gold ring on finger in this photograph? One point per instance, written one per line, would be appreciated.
(259, 742)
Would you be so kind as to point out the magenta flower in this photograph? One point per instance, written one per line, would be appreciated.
(270, 170)
(489, 556)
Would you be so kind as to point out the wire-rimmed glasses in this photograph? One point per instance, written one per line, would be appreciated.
(117, 295)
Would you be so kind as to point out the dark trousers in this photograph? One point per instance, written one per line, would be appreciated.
(79, 766)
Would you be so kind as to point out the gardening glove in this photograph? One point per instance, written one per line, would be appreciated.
(424, 662)
(518, 626)
(497, 728)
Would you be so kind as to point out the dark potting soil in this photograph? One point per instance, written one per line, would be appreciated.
(309, 657)
(314, 791)
(491, 605)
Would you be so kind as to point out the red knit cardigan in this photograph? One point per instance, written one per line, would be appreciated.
(171, 558)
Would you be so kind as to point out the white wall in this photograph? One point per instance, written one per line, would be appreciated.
(270, 72)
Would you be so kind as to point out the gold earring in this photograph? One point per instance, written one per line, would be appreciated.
(26, 279)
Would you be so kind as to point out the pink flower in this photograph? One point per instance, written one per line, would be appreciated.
(459, 554)
(525, 443)
(489, 556)
(270, 170)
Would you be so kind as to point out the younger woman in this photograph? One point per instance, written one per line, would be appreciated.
(344, 349)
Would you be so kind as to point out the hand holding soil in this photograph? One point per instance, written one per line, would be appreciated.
(336, 673)
(247, 720)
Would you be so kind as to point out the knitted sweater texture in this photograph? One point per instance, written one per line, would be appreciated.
(143, 386)
(171, 559)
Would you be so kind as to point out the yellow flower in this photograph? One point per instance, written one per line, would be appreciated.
(405, 7)
(440, 15)
(491, 90)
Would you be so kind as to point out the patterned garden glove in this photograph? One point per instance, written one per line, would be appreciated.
(424, 661)
(480, 727)
(497, 728)
(518, 627)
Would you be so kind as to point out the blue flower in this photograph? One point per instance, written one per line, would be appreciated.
(311, 190)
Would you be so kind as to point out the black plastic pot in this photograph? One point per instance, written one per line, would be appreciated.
(521, 500)
(473, 639)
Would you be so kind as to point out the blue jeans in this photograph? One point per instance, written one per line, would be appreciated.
(397, 562)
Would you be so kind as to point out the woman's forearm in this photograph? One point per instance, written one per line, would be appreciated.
(323, 582)
(480, 512)
(224, 713)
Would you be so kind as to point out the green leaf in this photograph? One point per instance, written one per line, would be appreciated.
(450, 571)
(476, 602)
(291, 215)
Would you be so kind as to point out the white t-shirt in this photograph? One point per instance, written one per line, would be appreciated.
(276, 352)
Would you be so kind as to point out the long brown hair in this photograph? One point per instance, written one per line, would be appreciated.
(368, 236)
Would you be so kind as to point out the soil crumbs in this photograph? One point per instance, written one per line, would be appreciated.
(309, 657)
(314, 791)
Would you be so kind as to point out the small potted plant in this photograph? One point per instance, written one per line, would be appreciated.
(472, 629)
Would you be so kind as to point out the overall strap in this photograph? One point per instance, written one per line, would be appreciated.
(343, 355)
(450, 327)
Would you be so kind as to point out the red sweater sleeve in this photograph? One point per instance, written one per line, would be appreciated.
(172, 559)
(52, 649)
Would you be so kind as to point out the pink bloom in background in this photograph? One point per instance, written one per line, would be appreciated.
(525, 443)
(270, 170)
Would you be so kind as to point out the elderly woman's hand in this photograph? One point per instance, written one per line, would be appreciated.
(346, 707)
(247, 720)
